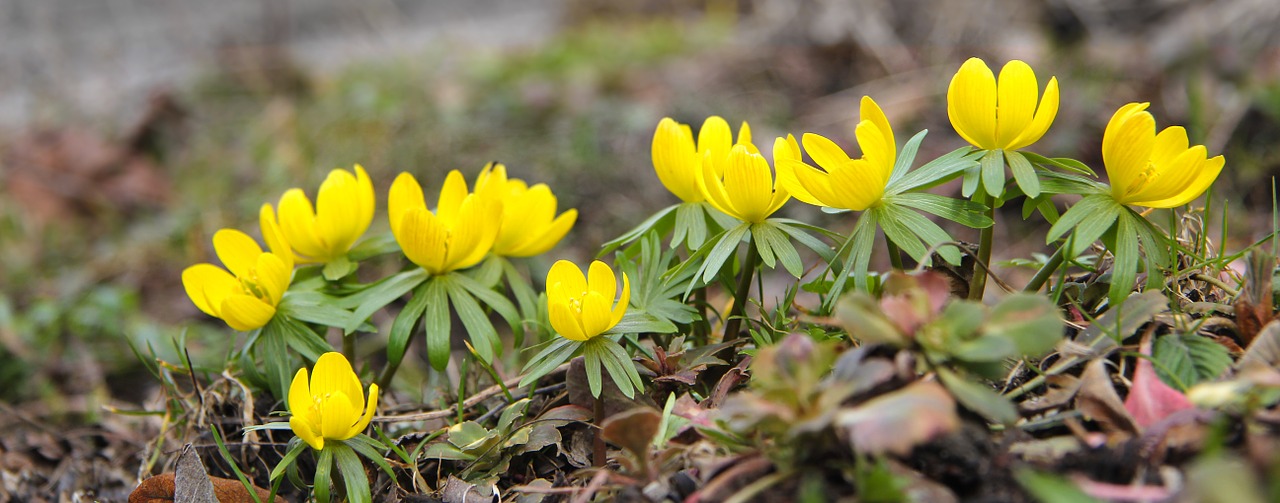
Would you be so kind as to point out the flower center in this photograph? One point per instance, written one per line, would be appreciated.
(252, 285)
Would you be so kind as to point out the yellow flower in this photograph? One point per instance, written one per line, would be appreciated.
(1154, 170)
(679, 163)
(529, 222)
(1004, 116)
(329, 406)
(580, 307)
(456, 236)
(247, 296)
(843, 182)
(741, 184)
(343, 211)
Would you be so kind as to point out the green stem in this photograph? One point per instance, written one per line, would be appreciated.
(1046, 271)
(744, 290)
(598, 453)
(895, 255)
(700, 328)
(985, 237)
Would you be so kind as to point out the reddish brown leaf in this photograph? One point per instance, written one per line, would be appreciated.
(1150, 400)
(160, 489)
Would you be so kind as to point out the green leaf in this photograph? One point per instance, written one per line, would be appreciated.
(891, 222)
(691, 226)
(1030, 321)
(979, 398)
(338, 268)
(972, 178)
(312, 307)
(857, 258)
(323, 479)
(1066, 183)
(379, 294)
(1023, 173)
(1124, 270)
(366, 446)
(494, 300)
(926, 230)
(961, 211)
(618, 364)
(353, 474)
(591, 358)
(993, 172)
(797, 232)
(936, 171)
(277, 364)
(1060, 162)
(1185, 360)
(381, 244)
(436, 323)
(402, 328)
(295, 448)
(656, 221)
(906, 157)
(487, 272)
(556, 352)
(768, 235)
(483, 336)
(639, 322)
(720, 252)
(1099, 211)
(303, 340)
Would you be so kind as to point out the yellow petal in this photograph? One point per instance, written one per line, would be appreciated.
(550, 236)
(712, 186)
(423, 239)
(624, 301)
(814, 181)
(338, 416)
(236, 250)
(825, 152)
(273, 276)
(368, 412)
(338, 212)
(878, 153)
(786, 165)
(870, 111)
(565, 321)
(208, 285)
(276, 241)
(676, 160)
(1045, 113)
(595, 313)
(405, 195)
(715, 136)
(452, 193)
(600, 279)
(333, 374)
(246, 312)
(298, 222)
(1016, 95)
(569, 276)
(971, 103)
(1126, 151)
(1207, 172)
(856, 186)
(474, 233)
(367, 199)
(744, 135)
(748, 184)
(299, 394)
(307, 432)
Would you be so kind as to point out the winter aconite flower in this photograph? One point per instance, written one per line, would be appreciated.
(456, 236)
(581, 307)
(343, 211)
(247, 296)
(1154, 170)
(741, 184)
(1003, 115)
(844, 182)
(331, 405)
(679, 161)
(529, 225)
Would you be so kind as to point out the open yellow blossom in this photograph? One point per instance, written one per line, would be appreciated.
(456, 236)
(1154, 170)
(679, 162)
(343, 211)
(1004, 115)
(529, 222)
(247, 296)
(741, 184)
(844, 182)
(582, 307)
(331, 405)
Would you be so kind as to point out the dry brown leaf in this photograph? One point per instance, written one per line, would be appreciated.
(161, 489)
(1098, 400)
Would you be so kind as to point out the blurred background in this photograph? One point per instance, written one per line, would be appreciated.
(131, 130)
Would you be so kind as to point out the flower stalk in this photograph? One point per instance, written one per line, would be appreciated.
(734, 319)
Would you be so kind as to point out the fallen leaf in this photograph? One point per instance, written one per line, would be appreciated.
(1150, 400)
(1098, 400)
(898, 421)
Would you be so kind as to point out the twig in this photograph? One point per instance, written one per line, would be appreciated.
(475, 399)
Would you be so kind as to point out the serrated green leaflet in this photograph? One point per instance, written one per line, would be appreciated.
(658, 221)
(963, 212)
(906, 157)
(483, 336)
(1023, 173)
(993, 172)
(379, 294)
(935, 172)
(1185, 360)
(1125, 269)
